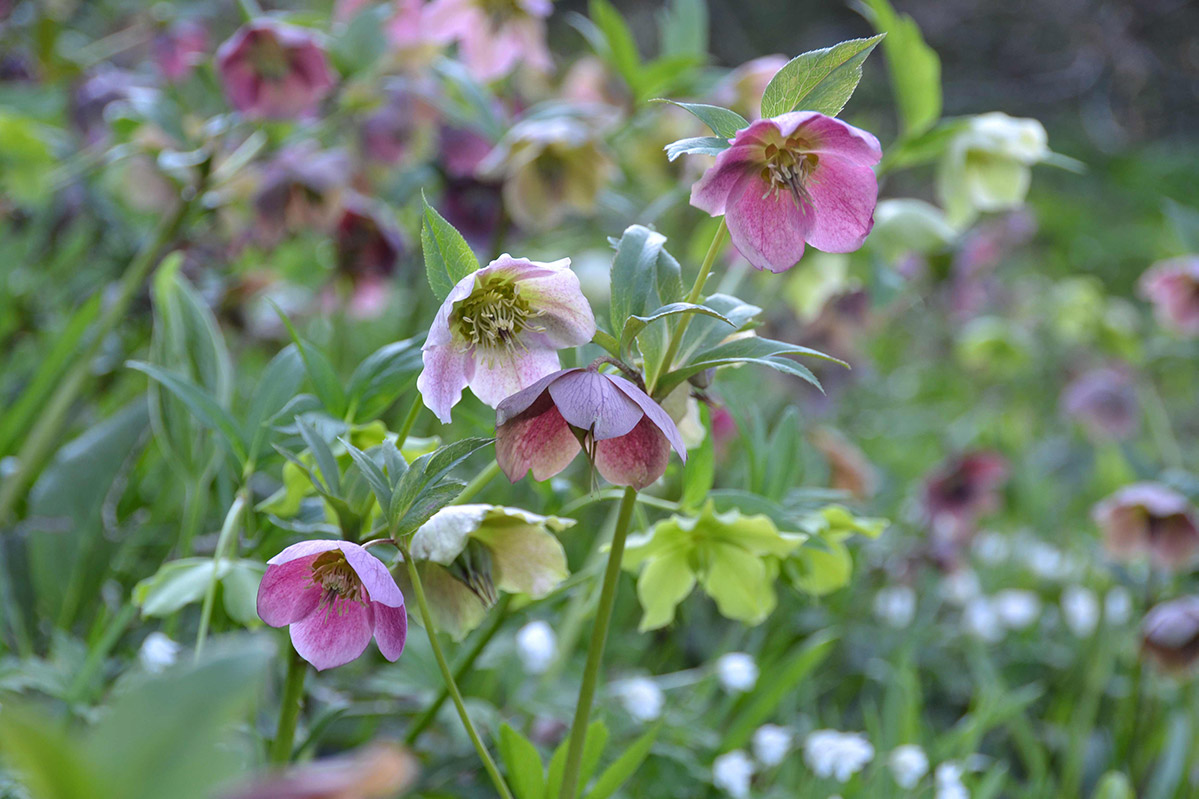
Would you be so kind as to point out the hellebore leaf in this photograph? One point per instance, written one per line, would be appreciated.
(526, 774)
(751, 349)
(914, 66)
(320, 371)
(448, 258)
(662, 585)
(382, 377)
(635, 323)
(277, 387)
(723, 121)
(617, 774)
(633, 272)
(199, 402)
(697, 145)
(818, 80)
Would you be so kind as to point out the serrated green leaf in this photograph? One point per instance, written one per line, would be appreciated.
(723, 121)
(697, 145)
(635, 324)
(448, 258)
(818, 80)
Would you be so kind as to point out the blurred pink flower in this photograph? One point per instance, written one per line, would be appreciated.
(379, 771)
(470, 203)
(405, 118)
(1173, 288)
(962, 489)
(500, 329)
(493, 37)
(1170, 632)
(799, 177)
(742, 89)
(1104, 401)
(1149, 518)
(300, 189)
(368, 244)
(626, 434)
(180, 48)
(271, 70)
(335, 596)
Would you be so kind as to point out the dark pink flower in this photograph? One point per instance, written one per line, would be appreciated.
(799, 177)
(627, 435)
(964, 488)
(493, 37)
(180, 48)
(1170, 632)
(335, 596)
(271, 70)
(368, 244)
(1105, 402)
(300, 189)
(1149, 518)
(1173, 288)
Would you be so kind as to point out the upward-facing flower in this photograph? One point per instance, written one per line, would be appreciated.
(798, 177)
(274, 71)
(499, 331)
(493, 35)
(1149, 518)
(1173, 288)
(335, 596)
(626, 433)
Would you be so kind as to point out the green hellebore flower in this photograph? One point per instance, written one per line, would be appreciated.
(733, 557)
(987, 165)
(467, 553)
(906, 227)
(822, 569)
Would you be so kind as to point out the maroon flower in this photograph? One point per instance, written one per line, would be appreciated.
(300, 189)
(1149, 518)
(955, 495)
(1170, 632)
(626, 434)
(1173, 288)
(179, 49)
(368, 244)
(274, 71)
(1105, 402)
(392, 129)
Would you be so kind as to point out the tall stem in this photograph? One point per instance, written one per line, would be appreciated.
(448, 676)
(479, 482)
(289, 708)
(595, 651)
(409, 420)
(222, 543)
(697, 290)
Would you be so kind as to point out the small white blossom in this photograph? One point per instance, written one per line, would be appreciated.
(949, 781)
(737, 672)
(1117, 605)
(1017, 608)
(771, 743)
(1081, 610)
(158, 652)
(731, 773)
(908, 763)
(980, 620)
(895, 605)
(960, 587)
(642, 698)
(536, 646)
(839, 755)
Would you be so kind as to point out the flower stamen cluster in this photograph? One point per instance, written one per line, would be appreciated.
(493, 316)
(337, 581)
(788, 169)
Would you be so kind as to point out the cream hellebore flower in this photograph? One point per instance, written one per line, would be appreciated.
(734, 558)
(466, 554)
(987, 165)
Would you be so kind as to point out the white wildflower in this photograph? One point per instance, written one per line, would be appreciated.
(980, 620)
(1117, 605)
(960, 587)
(641, 697)
(1017, 608)
(908, 764)
(737, 672)
(1081, 610)
(895, 605)
(771, 743)
(839, 755)
(536, 646)
(158, 652)
(731, 773)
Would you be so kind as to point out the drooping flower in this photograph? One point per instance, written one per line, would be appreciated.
(493, 36)
(627, 435)
(179, 49)
(334, 596)
(550, 167)
(499, 330)
(798, 177)
(472, 204)
(466, 554)
(962, 489)
(987, 166)
(1173, 288)
(1149, 518)
(1170, 632)
(368, 244)
(300, 189)
(378, 771)
(272, 70)
(1105, 402)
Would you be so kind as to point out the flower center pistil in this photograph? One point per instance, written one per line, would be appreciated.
(271, 60)
(787, 170)
(337, 580)
(493, 316)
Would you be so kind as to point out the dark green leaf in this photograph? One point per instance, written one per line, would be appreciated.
(382, 377)
(448, 258)
(374, 475)
(526, 774)
(684, 28)
(635, 324)
(722, 121)
(326, 461)
(620, 50)
(762, 351)
(633, 272)
(819, 80)
(320, 371)
(699, 473)
(277, 385)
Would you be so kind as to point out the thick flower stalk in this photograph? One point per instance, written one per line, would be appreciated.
(271, 70)
(626, 434)
(499, 331)
(334, 596)
(798, 177)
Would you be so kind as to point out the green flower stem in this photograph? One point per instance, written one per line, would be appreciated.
(289, 708)
(409, 420)
(697, 290)
(448, 676)
(50, 422)
(498, 616)
(595, 651)
(479, 482)
(222, 543)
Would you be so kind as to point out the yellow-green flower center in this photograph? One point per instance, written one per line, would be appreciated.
(787, 169)
(337, 580)
(493, 316)
(271, 60)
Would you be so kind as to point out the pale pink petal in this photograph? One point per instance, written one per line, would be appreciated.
(768, 227)
(656, 413)
(500, 374)
(379, 584)
(287, 593)
(441, 381)
(450, 20)
(711, 192)
(825, 135)
(539, 440)
(565, 314)
(844, 195)
(439, 331)
(635, 459)
(589, 401)
(391, 630)
(306, 548)
(333, 636)
(487, 53)
(521, 401)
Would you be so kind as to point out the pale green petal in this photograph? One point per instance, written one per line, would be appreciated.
(821, 571)
(741, 584)
(525, 558)
(996, 183)
(663, 584)
(443, 537)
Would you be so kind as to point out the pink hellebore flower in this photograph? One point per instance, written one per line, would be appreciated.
(499, 331)
(1105, 402)
(179, 49)
(334, 595)
(1173, 288)
(742, 89)
(1152, 518)
(493, 35)
(798, 177)
(626, 433)
(274, 71)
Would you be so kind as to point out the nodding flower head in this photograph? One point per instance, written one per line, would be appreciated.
(1149, 518)
(499, 331)
(1173, 288)
(271, 70)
